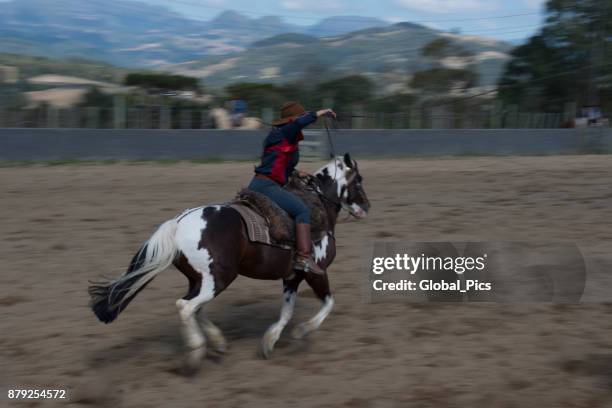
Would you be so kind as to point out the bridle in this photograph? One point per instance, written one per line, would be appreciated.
(313, 186)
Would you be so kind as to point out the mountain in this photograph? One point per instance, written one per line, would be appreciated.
(388, 55)
(231, 47)
(119, 32)
(343, 24)
(135, 34)
(233, 24)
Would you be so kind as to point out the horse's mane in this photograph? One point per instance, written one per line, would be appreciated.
(309, 189)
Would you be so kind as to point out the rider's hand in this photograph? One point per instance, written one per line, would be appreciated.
(302, 174)
(324, 112)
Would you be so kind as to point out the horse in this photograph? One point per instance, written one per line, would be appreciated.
(210, 246)
(221, 120)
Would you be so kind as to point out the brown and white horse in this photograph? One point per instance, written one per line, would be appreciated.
(210, 246)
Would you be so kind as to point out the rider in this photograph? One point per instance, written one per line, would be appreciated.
(279, 158)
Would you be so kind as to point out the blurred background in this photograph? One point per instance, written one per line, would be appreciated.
(391, 64)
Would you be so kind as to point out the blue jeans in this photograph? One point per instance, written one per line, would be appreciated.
(285, 200)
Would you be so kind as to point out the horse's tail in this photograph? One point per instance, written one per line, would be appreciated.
(109, 298)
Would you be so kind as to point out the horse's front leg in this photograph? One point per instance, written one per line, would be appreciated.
(273, 333)
(320, 286)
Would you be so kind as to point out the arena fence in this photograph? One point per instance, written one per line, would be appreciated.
(139, 144)
(162, 117)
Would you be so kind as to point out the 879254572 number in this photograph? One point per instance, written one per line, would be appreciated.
(36, 394)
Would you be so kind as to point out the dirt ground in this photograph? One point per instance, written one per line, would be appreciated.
(64, 225)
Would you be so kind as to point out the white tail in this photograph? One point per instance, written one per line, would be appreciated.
(160, 252)
(108, 299)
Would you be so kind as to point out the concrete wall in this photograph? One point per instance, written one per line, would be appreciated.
(92, 144)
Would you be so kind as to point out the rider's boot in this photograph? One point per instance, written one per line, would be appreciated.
(303, 257)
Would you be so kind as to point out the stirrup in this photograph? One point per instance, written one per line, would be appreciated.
(307, 264)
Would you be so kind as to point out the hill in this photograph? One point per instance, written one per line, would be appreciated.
(297, 39)
(387, 55)
(33, 66)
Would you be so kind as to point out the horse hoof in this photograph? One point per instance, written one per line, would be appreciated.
(220, 347)
(193, 360)
(267, 346)
(217, 342)
(300, 331)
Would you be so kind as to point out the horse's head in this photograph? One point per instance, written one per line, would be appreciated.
(344, 185)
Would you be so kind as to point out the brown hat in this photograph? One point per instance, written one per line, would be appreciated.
(289, 111)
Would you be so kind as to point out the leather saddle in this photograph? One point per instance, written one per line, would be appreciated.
(267, 223)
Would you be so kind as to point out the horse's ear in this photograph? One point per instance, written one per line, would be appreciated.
(347, 160)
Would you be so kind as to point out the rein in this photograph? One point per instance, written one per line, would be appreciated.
(328, 120)
(311, 184)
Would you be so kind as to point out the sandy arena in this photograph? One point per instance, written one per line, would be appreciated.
(64, 225)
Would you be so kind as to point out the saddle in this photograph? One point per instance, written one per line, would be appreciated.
(269, 224)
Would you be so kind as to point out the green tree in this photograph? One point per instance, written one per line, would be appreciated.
(162, 81)
(12, 97)
(259, 96)
(440, 79)
(443, 80)
(569, 60)
(391, 103)
(96, 98)
(344, 92)
(443, 47)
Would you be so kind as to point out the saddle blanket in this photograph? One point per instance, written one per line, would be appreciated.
(256, 225)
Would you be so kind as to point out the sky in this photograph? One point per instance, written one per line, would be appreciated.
(470, 16)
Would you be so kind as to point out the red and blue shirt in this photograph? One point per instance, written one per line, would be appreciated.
(280, 149)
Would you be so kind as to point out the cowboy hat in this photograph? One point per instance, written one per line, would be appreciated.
(289, 111)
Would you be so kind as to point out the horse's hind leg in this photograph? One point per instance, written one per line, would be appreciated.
(273, 333)
(320, 286)
(211, 332)
(214, 335)
(187, 306)
(201, 290)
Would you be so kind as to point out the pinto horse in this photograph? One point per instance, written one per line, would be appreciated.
(210, 246)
